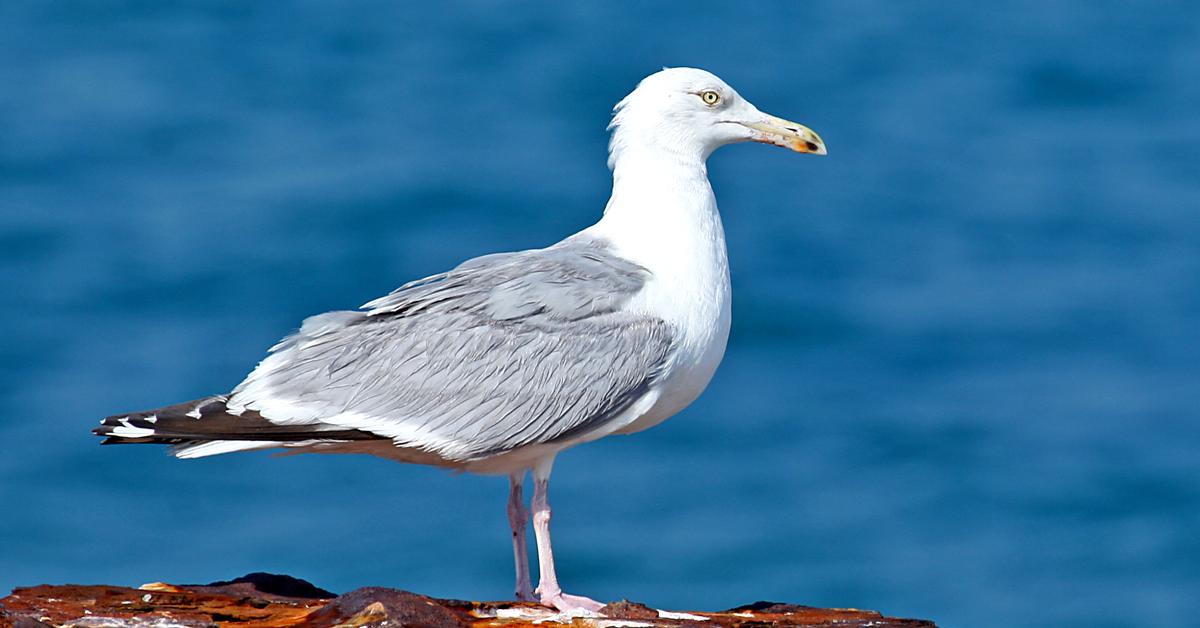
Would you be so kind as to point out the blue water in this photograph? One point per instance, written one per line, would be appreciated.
(963, 380)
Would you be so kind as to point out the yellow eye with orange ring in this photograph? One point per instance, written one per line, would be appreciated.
(710, 97)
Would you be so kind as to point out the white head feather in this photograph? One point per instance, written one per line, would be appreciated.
(689, 113)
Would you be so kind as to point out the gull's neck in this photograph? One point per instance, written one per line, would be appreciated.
(663, 216)
(662, 212)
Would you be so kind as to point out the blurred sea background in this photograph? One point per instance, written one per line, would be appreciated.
(963, 381)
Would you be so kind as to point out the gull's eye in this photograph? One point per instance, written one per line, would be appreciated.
(710, 97)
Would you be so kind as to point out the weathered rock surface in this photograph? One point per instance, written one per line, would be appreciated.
(261, 600)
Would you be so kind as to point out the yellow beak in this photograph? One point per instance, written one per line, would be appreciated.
(788, 134)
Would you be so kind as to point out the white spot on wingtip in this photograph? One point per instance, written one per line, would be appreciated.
(152, 418)
(195, 413)
(125, 430)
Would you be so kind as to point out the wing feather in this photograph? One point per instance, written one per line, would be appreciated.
(503, 352)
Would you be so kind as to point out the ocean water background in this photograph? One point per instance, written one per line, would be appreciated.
(963, 381)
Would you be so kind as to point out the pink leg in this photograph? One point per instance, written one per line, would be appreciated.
(549, 592)
(518, 518)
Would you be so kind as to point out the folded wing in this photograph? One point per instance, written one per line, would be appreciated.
(503, 352)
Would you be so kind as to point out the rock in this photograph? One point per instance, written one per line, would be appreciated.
(371, 605)
(262, 600)
(265, 584)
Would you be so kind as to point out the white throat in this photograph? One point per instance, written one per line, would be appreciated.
(663, 215)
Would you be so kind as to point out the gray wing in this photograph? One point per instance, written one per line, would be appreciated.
(504, 351)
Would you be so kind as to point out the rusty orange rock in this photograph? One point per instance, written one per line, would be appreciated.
(265, 600)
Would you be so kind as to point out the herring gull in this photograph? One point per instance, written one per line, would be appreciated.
(499, 364)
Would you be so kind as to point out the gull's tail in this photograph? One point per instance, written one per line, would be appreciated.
(206, 427)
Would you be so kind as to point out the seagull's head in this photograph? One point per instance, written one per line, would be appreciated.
(691, 112)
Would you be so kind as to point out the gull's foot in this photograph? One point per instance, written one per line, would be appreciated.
(526, 596)
(567, 603)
